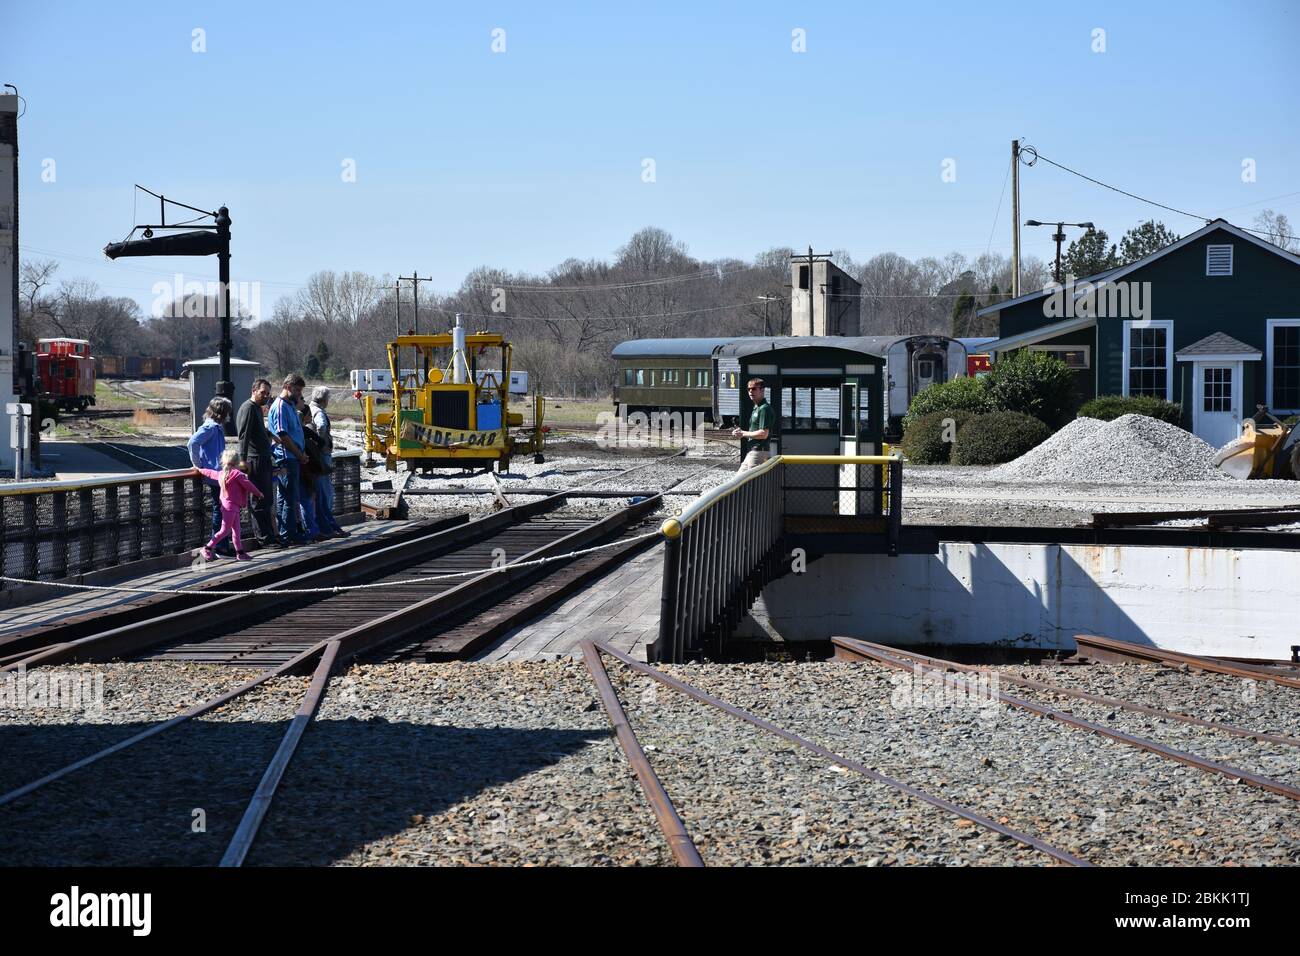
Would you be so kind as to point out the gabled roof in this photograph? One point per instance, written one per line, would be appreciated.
(1111, 275)
(1041, 333)
(1219, 344)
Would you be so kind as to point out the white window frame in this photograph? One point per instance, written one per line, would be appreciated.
(1269, 326)
(1168, 326)
(1086, 349)
(1231, 260)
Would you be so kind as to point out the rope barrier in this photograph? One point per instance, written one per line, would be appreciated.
(337, 588)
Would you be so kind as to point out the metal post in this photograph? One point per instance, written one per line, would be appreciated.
(895, 506)
(1060, 238)
(666, 646)
(1015, 218)
(225, 387)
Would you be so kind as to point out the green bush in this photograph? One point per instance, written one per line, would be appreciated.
(1033, 383)
(959, 394)
(924, 442)
(997, 437)
(1107, 408)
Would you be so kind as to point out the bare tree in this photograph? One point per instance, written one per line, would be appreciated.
(1277, 230)
(35, 277)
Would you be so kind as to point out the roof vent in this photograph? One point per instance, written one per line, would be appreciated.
(1218, 260)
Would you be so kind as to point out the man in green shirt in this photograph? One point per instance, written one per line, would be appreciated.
(760, 423)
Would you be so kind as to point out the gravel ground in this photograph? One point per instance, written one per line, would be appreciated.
(948, 494)
(572, 462)
(516, 764)
(1251, 705)
(1130, 448)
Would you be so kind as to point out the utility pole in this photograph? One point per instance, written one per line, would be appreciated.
(1059, 236)
(765, 299)
(397, 305)
(415, 279)
(1015, 219)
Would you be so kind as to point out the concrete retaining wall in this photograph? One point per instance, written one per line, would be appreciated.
(1195, 600)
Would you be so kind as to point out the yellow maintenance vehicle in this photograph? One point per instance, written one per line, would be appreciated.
(457, 416)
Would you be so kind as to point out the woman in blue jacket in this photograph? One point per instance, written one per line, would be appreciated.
(206, 447)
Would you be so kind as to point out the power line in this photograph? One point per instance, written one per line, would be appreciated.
(589, 318)
(1182, 212)
(664, 280)
(998, 215)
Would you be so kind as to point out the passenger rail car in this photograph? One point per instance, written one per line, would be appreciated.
(699, 375)
(664, 375)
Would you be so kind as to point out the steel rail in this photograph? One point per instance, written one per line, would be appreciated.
(196, 711)
(942, 804)
(137, 636)
(670, 822)
(350, 643)
(1116, 702)
(395, 625)
(18, 644)
(1156, 655)
(885, 655)
(246, 833)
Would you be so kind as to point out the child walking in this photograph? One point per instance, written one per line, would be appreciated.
(236, 487)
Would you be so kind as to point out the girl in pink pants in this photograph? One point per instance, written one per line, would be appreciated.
(236, 487)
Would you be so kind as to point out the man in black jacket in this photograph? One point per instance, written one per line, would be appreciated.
(255, 449)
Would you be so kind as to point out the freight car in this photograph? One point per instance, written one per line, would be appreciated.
(66, 371)
(136, 366)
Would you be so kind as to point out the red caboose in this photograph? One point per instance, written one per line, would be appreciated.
(67, 373)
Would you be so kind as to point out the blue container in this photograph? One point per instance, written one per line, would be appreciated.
(489, 416)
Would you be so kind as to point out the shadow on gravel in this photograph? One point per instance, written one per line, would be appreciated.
(176, 799)
(355, 781)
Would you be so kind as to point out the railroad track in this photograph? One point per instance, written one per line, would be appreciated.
(670, 822)
(949, 673)
(293, 633)
(456, 588)
(402, 592)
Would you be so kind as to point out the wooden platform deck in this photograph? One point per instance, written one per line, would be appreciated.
(66, 603)
(622, 609)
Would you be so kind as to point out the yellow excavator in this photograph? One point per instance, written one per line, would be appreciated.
(1267, 448)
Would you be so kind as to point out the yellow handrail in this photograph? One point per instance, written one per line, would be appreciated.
(672, 527)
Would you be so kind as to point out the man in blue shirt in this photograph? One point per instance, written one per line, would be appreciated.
(206, 447)
(284, 422)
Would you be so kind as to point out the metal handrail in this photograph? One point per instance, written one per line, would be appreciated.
(722, 549)
(672, 527)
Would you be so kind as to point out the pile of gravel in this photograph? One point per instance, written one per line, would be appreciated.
(1130, 448)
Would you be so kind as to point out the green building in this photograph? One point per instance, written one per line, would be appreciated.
(1211, 321)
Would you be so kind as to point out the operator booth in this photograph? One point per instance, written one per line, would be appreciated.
(826, 394)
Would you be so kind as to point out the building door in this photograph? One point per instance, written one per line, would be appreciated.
(1216, 412)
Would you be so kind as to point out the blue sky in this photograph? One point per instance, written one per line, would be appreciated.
(466, 157)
